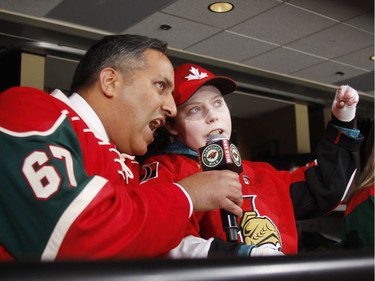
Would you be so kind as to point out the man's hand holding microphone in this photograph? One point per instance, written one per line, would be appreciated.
(221, 190)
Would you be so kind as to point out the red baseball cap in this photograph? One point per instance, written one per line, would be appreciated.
(188, 78)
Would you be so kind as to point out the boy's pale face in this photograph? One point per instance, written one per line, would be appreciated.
(205, 113)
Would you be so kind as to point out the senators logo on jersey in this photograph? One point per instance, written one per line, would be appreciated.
(258, 230)
(149, 171)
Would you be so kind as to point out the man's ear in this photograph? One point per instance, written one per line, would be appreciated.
(109, 81)
(170, 128)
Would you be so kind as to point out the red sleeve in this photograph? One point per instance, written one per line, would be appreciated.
(171, 168)
(119, 223)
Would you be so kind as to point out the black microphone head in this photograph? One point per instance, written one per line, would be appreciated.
(218, 154)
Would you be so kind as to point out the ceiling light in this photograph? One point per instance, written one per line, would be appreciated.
(372, 58)
(165, 27)
(221, 7)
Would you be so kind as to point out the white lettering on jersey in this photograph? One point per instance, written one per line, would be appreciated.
(43, 179)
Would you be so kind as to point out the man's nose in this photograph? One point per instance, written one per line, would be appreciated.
(169, 106)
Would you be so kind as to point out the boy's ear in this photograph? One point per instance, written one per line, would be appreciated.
(170, 128)
(109, 81)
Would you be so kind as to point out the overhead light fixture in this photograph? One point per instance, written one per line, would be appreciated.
(340, 73)
(165, 27)
(372, 58)
(221, 7)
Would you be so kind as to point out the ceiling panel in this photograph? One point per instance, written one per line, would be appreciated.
(334, 41)
(358, 58)
(282, 24)
(151, 27)
(109, 16)
(326, 72)
(283, 60)
(236, 48)
(197, 10)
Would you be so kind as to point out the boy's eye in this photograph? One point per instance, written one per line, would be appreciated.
(194, 109)
(219, 102)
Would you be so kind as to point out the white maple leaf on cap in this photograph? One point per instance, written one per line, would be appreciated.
(196, 75)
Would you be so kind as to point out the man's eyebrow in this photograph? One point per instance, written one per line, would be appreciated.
(167, 81)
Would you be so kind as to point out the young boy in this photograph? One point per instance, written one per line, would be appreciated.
(273, 200)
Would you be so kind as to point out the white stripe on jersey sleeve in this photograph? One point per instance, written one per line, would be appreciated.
(75, 208)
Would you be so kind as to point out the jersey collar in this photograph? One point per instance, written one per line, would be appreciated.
(84, 110)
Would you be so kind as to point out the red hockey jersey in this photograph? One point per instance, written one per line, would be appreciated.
(273, 200)
(66, 194)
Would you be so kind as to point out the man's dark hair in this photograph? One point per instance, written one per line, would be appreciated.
(121, 52)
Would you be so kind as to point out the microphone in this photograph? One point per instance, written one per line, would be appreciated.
(220, 154)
